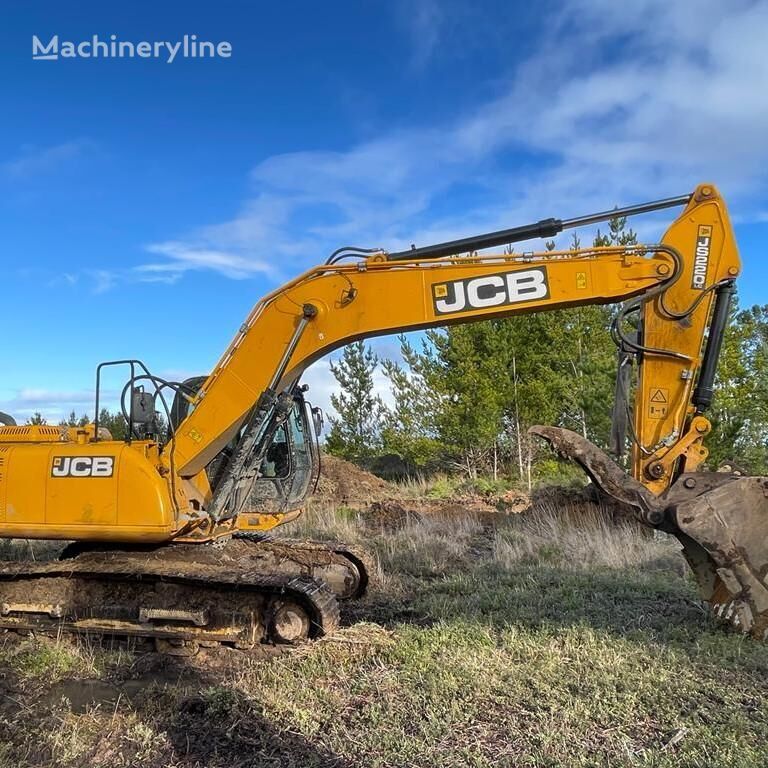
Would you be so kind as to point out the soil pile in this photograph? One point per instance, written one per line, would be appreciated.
(390, 515)
(346, 484)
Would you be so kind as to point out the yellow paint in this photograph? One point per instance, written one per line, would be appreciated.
(133, 504)
(676, 377)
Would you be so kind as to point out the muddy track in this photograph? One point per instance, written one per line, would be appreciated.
(243, 593)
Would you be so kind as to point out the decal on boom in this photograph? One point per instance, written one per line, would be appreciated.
(490, 291)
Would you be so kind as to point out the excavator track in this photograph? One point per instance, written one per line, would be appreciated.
(247, 591)
(179, 596)
(347, 569)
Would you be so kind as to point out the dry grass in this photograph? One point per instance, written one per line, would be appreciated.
(565, 530)
(328, 522)
(583, 536)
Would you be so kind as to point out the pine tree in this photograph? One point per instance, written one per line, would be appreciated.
(356, 431)
(409, 429)
(73, 421)
(618, 234)
(491, 380)
(739, 412)
(115, 423)
(464, 367)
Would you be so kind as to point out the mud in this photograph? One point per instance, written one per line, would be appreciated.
(343, 483)
(165, 595)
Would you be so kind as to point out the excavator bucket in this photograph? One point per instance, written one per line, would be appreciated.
(724, 533)
(720, 519)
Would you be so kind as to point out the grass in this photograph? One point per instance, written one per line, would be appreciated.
(547, 639)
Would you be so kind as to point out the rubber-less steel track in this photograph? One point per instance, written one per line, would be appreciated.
(177, 595)
(347, 569)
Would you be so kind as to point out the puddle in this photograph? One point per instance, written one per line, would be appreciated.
(85, 694)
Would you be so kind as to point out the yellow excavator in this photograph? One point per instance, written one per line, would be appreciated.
(168, 531)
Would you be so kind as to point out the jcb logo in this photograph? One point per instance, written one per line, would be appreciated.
(701, 259)
(490, 291)
(83, 466)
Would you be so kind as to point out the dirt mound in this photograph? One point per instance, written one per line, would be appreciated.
(390, 515)
(381, 504)
(459, 507)
(344, 483)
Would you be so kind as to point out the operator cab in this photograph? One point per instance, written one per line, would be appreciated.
(290, 465)
(286, 449)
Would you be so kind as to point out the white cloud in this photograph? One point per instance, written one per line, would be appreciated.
(184, 257)
(54, 405)
(424, 21)
(621, 104)
(103, 280)
(32, 161)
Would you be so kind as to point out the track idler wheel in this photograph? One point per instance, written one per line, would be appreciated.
(289, 622)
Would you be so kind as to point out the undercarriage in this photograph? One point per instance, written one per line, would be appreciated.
(243, 593)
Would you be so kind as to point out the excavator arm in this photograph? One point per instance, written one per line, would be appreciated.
(671, 287)
(330, 306)
(333, 305)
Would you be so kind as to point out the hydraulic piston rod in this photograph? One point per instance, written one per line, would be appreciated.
(543, 228)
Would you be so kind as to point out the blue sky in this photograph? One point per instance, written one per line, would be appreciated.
(146, 206)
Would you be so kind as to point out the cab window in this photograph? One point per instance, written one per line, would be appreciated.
(277, 461)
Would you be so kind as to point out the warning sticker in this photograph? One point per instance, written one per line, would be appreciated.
(581, 280)
(659, 401)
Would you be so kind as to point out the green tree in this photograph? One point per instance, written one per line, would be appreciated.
(617, 234)
(539, 383)
(356, 431)
(74, 421)
(114, 422)
(739, 412)
(410, 429)
(37, 419)
(464, 368)
(475, 389)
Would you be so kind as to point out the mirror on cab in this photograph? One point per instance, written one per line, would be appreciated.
(318, 419)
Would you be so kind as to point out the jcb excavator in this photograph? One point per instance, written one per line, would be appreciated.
(169, 531)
